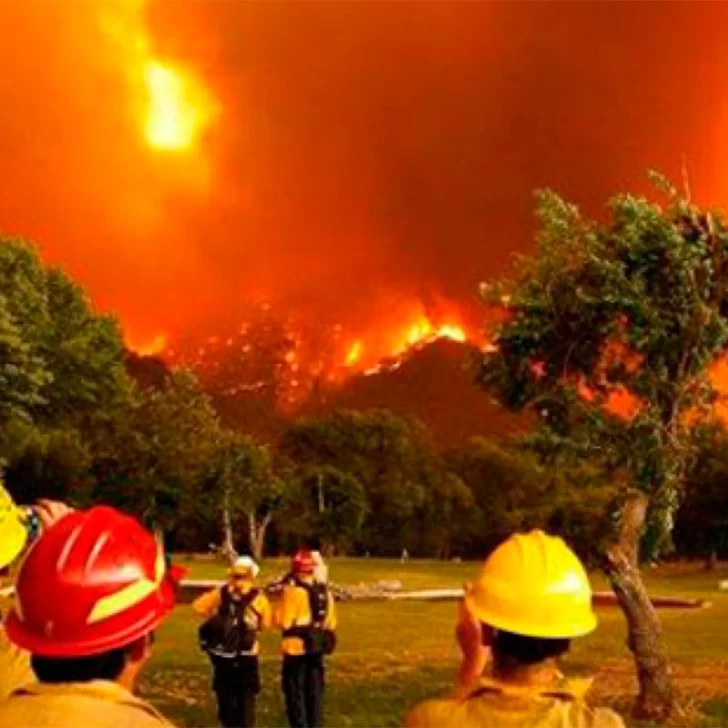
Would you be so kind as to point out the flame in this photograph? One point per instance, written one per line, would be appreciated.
(175, 107)
(177, 111)
(423, 332)
(454, 333)
(354, 353)
(151, 348)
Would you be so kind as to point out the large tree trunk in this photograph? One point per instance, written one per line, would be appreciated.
(256, 534)
(228, 546)
(656, 698)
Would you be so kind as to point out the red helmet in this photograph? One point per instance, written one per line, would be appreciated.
(303, 563)
(94, 582)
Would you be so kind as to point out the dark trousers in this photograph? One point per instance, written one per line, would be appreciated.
(236, 682)
(303, 687)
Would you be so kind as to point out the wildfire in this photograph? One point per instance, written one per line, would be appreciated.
(354, 353)
(174, 106)
(152, 348)
(177, 110)
(423, 332)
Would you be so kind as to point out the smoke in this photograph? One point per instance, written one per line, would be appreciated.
(367, 158)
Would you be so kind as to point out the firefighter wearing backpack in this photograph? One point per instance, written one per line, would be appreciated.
(235, 613)
(307, 619)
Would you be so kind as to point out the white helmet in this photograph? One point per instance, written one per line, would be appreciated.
(245, 565)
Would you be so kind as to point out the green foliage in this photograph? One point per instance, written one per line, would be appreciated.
(327, 502)
(241, 479)
(637, 304)
(150, 456)
(60, 363)
(702, 520)
(383, 452)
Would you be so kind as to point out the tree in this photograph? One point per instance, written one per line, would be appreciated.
(450, 511)
(53, 464)
(701, 521)
(609, 334)
(329, 503)
(242, 481)
(507, 487)
(150, 457)
(60, 363)
(382, 451)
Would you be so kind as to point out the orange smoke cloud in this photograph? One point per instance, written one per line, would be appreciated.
(184, 160)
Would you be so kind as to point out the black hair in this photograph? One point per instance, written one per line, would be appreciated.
(107, 666)
(509, 648)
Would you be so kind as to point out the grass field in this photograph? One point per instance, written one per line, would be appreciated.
(391, 655)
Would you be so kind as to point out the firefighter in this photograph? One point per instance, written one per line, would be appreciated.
(532, 597)
(89, 595)
(308, 622)
(18, 528)
(235, 613)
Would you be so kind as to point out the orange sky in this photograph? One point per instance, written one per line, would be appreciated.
(354, 154)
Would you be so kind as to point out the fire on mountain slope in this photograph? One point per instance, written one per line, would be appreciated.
(285, 359)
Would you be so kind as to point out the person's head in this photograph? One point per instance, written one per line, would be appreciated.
(243, 572)
(89, 595)
(535, 594)
(303, 563)
(512, 652)
(121, 665)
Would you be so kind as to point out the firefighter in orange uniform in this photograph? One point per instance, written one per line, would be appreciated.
(89, 596)
(235, 613)
(307, 619)
(533, 596)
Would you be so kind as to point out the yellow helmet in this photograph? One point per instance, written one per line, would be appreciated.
(534, 585)
(13, 532)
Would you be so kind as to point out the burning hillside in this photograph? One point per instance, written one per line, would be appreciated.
(290, 356)
(272, 366)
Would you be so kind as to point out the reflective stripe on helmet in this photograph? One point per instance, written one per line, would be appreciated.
(130, 595)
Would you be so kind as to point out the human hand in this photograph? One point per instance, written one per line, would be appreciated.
(50, 512)
(473, 637)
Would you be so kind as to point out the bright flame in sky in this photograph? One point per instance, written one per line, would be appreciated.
(171, 119)
(174, 105)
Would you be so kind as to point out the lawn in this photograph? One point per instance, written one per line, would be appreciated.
(391, 654)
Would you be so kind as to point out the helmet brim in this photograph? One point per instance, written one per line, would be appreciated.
(160, 605)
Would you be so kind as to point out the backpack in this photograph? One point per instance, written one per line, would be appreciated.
(316, 638)
(228, 633)
(318, 601)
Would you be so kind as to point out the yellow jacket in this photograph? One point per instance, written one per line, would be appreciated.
(209, 603)
(96, 704)
(15, 669)
(491, 703)
(294, 611)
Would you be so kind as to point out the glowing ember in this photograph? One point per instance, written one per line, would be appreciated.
(354, 353)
